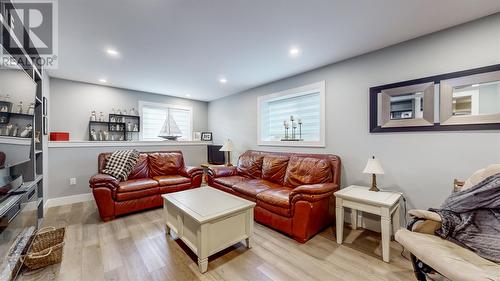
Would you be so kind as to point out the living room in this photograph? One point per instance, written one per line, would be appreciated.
(184, 140)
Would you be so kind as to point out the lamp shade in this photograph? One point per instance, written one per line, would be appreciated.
(373, 167)
(228, 146)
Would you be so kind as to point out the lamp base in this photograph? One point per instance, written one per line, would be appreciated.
(228, 159)
(374, 183)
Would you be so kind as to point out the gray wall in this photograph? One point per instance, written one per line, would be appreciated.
(421, 164)
(81, 163)
(72, 103)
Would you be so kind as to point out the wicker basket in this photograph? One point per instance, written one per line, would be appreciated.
(47, 248)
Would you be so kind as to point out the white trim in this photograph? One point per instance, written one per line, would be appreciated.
(166, 106)
(66, 200)
(299, 91)
(53, 144)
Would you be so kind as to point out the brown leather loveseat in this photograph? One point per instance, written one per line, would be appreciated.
(154, 174)
(293, 192)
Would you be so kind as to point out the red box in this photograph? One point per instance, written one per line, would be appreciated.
(59, 136)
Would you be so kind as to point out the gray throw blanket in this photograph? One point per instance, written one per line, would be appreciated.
(471, 218)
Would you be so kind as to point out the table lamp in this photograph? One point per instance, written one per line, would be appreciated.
(373, 167)
(227, 147)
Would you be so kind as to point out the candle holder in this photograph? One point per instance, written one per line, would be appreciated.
(294, 124)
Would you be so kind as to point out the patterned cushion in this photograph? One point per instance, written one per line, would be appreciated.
(121, 163)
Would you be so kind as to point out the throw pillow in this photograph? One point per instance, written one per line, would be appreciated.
(121, 163)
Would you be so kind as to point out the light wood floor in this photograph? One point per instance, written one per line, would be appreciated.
(135, 248)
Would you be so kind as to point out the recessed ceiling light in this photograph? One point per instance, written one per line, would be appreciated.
(112, 52)
(102, 80)
(223, 80)
(188, 95)
(294, 51)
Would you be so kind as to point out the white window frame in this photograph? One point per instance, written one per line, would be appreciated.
(299, 91)
(165, 106)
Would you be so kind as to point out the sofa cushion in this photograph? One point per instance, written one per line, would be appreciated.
(276, 196)
(252, 187)
(165, 163)
(250, 164)
(136, 184)
(308, 170)
(141, 169)
(449, 259)
(230, 181)
(171, 180)
(274, 168)
(124, 196)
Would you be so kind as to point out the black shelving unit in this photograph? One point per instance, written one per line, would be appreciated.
(120, 121)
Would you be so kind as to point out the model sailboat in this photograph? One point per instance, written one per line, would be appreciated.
(170, 130)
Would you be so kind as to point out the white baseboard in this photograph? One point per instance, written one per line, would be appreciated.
(66, 200)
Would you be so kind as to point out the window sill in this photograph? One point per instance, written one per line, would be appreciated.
(124, 143)
(292, 143)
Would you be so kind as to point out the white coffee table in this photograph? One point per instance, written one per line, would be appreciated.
(359, 198)
(208, 220)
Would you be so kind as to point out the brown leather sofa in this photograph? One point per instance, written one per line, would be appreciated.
(154, 174)
(293, 192)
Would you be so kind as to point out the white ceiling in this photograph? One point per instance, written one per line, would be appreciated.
(183, 47)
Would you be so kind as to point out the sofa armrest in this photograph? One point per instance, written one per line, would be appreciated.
(222, 171)
(423, 214)
(103, 180)
(190, 171)
(313, 192)
(425, 222)
(319, 188)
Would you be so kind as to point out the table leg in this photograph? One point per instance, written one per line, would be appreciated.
(386, 235)
(339, 219)
(203, 264)
(354, 219)
(167, 229)
(248, 242)
(396, 220)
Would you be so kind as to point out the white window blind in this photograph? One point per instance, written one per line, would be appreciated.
(154, 115)
(304, 103)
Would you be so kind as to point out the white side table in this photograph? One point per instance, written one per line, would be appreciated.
(386, 204)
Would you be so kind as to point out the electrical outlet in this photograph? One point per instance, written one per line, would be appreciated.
(72, 181)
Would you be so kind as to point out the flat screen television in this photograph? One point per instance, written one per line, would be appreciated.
(215, 156)
(17, 101)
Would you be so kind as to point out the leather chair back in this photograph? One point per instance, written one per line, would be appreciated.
(290, 169)
(149, 164)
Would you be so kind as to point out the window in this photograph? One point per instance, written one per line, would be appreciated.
(153, 115)
(306, 103)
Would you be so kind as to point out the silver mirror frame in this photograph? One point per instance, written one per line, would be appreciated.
(446, 100)
(384, 120)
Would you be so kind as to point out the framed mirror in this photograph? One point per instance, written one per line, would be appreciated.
(473, 99)
(462, 100)
(406, 106)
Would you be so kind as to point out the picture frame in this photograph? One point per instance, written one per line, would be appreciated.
(206, 136)
(197, 136)
(44, 106)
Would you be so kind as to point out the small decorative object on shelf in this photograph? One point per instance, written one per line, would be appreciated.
(93, 116)
(26, 133)
(113, 111)
(15, 130)
(37, 136)
(119, 112)
(93, 135)
(8, 129)
(197, 136)
(133, 112)
(124, 112)
(293, 124)
(170, 130)
(101, 117)
(206, 136)
(20, 107)
(112, 119)
(136, 128)
(31, 109)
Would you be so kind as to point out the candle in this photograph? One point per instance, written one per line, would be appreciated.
(299, 121)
